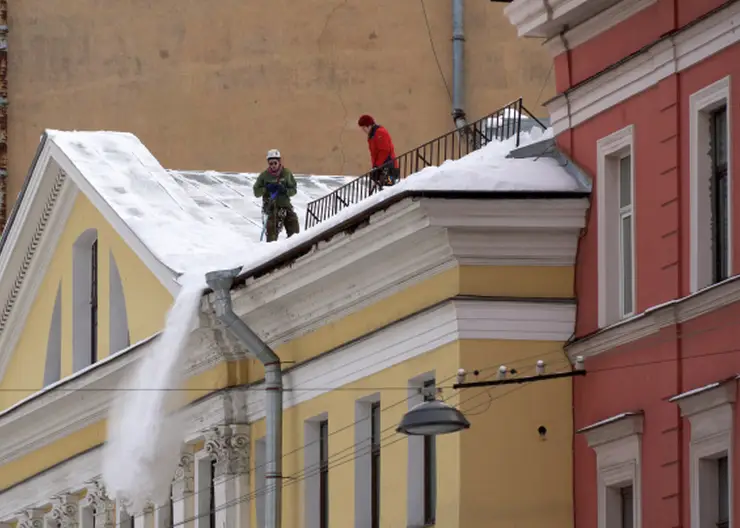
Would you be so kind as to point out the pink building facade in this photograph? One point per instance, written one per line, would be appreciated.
(648, 104)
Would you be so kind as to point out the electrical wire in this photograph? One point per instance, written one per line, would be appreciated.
(348, 426)
(434, 51)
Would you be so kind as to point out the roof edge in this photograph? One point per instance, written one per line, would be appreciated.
(299, 250)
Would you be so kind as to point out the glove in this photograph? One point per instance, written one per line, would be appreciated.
(273, 188)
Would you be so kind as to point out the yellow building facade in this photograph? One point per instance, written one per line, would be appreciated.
(369, 318)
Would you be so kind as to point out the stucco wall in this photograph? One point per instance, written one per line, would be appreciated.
(214, 85)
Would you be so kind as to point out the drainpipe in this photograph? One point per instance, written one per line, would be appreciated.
(458, 64)
(220, 282)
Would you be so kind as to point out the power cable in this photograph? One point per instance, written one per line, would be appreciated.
(434, 51)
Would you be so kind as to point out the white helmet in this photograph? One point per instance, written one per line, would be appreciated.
(273, 154)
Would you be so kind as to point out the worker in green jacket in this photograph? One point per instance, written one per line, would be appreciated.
(275, 186)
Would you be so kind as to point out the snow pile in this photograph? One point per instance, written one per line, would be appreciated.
(144, 439)
(487, 169)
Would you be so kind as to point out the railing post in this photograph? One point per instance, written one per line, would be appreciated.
(519, 107)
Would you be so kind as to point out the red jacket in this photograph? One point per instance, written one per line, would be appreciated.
(381, 147)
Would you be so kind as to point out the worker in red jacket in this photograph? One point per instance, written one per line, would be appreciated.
(385, 169)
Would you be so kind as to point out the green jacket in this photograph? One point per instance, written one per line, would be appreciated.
(285, 177)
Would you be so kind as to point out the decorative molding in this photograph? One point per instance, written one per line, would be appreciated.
(706, 398)
(652, 321)
(617, 443)
(595, 26)
(30, 265)
(64, 511)
(608, 294)
(700, 235)
(30, 519)
(438, 235)
(450, 322)
(57, 413)
(184, 481)
(103, 507)
(667, 57)
(229, 447)
(612, 429)
(545, 18)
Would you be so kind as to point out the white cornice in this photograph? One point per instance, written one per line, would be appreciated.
(667, 57)
(429, 237)
(450, 322)
(595, 25)
(73, 475)
(84, 400)
(545, 18)
(613, 429)
(30, 247)
(652, 321)
(706, 398)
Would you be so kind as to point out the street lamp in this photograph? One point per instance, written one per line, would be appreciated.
(431, 418)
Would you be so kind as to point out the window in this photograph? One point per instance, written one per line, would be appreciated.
(615, 195)
(422, 468)
(710, 412)
(324, 472)
(85, 300)
(626, 263)
(617, 443)
(719, 197)
(204, 490)
(710, 185)
(94, 302)
(627, 508)
(212, 494)
(120, 338)
(316, 471)
(367, 461)
(260, 482)
(53, 367)
(375, 464)
(430, 465)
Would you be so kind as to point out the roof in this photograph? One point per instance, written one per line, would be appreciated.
(189, 220)
(195, 221)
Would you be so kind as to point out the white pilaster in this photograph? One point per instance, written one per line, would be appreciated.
(145, 519)
(64, 511)
(229, 447)
(183, 488)
(31, 519)
(98, 506)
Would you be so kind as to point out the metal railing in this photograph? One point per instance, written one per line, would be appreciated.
(497, 126)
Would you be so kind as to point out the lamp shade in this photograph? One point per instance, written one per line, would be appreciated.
(432, 418)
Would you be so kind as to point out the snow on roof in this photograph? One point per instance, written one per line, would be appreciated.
(187, 219)
(200, 221)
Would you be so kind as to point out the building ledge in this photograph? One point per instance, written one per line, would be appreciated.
(707, 397)
(613, 428)
(547, 18)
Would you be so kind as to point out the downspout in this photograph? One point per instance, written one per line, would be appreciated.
(220, 282)
(458, 64)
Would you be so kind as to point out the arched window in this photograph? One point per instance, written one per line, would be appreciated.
(119, 332)
(53, 368)
(85, 300)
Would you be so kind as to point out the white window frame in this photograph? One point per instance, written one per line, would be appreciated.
(363, 460)
(311, 462)
(260, 480)
(710, 412)
(202, 477)
(701, 103)
(415, 497)
(81, 291)
(617, 442)
(610, 150)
